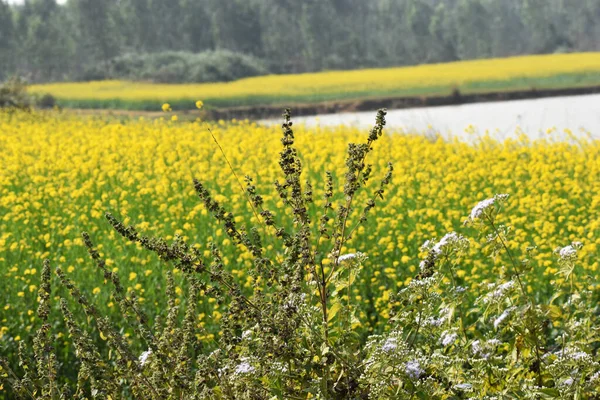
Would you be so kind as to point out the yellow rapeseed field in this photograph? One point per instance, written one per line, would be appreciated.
(493, 74)
(59, 174)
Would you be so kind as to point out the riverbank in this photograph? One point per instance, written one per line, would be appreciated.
(356, 106)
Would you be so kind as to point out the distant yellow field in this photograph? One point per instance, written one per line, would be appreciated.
(558, 70)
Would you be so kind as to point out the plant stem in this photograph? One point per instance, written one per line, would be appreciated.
(529, 300)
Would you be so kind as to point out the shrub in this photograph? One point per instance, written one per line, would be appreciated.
(178, 67)
(13, 94)
(296, 335)
(45, 101)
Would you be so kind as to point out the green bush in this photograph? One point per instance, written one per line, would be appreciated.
(13, 94)
(296, 334)
(178, 67)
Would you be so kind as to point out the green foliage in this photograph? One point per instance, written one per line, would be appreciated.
(178, 67)
(13, 94)
(48, 42)
(295, 334)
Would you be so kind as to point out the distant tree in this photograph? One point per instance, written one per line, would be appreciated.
(506, 28)
(390, 34)
(418, 20)
(136, 26)
(544, 36)
(585, 29)
(167, 19)
(281, 39)
(472, 24)
(579, 25)
(45, 44)
(443, 35)
(97, 34)
(8, 37)
(44, 40)
(348, 34)
(196, 25)
(236, 26)
(317, 22)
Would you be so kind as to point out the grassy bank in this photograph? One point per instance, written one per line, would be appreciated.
(479, 76)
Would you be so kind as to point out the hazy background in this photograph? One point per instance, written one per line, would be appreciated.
(221, 40)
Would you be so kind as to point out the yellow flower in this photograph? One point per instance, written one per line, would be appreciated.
(174, 118)
(166, 107)
(430, 194)
(96, 290)
(199, 104)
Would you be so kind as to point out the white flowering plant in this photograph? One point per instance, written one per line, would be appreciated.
(297, 333)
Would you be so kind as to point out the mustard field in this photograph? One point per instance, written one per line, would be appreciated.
(59, 175)
(518, 73)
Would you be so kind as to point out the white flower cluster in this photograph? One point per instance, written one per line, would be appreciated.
(390, 345)
(421, 284)
(449, 241)
(464, 387)
(413, 369)
(244, 367)
(572, 354)
(247, 334)
(498, 292)
(350, 256)
(567, 382)
(295, 301)
(346, 257)
(569, 252)
(448, 338)
(484, 349)
(144, 357)
(434, 322)
(483, 206)
(505, 314)
(460, 289)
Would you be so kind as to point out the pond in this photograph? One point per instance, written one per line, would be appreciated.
(579, 114)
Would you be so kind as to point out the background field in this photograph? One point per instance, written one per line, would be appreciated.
(518, 73)
(59, 174)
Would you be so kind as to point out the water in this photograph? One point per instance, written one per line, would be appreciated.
(579, 114)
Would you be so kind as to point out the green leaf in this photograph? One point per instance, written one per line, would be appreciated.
(550, 393)
(335, 307)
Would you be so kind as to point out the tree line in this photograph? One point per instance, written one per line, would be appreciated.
(44, 41)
